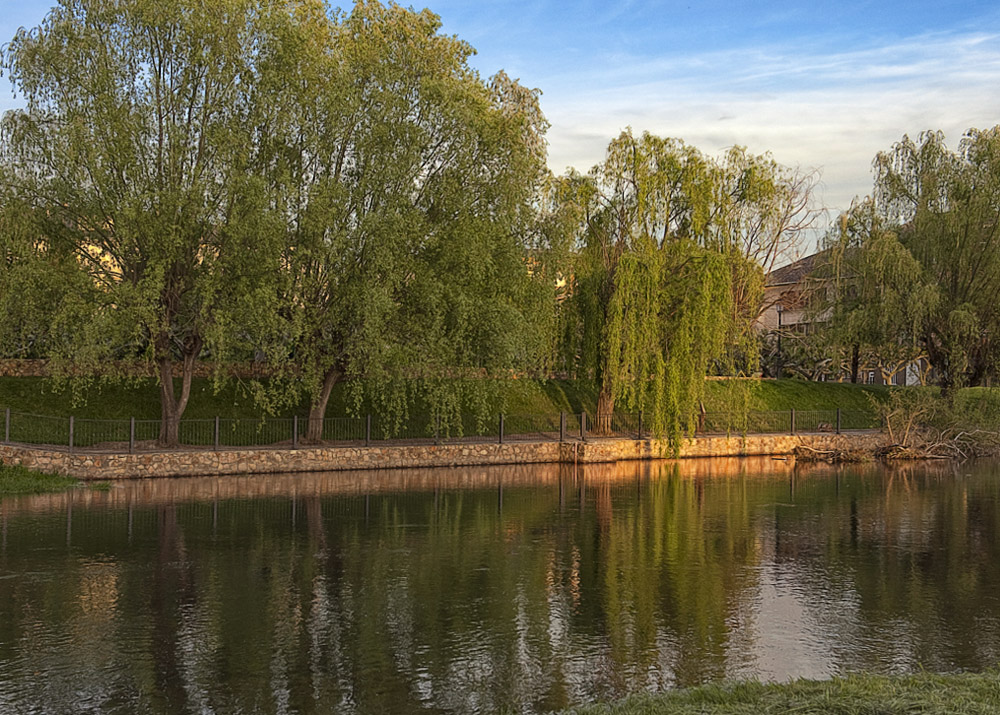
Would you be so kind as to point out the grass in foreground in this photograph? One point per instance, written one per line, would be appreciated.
(19, 480)
(924, 693)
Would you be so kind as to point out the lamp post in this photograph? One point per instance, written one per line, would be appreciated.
(778, 361)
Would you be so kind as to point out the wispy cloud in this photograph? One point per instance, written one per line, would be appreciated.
(827, 110)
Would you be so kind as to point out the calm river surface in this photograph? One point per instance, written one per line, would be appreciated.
(476, 590)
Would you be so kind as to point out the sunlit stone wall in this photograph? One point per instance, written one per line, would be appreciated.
(719, 446)
(88, 465)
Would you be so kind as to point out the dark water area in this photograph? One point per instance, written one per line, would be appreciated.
(523, 589)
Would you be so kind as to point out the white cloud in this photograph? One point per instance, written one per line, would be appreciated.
(831, 111)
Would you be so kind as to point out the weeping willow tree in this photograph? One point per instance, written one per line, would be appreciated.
(918, 263)
(876, 296)
(945, 207)
(669, 278)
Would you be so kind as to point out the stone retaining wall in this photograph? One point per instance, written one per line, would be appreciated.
(84, 465)
(719, 446)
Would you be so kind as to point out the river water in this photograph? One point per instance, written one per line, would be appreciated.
(523, 589)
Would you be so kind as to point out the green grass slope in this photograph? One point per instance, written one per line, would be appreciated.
(140, 399)
(783, 395)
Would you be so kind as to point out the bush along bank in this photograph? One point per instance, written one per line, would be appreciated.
(20, 480)
(924, 423)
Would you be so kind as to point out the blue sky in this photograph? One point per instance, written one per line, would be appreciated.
(821, 85)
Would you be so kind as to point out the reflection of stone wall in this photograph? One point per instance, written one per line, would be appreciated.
(359, 483)
(85, 465)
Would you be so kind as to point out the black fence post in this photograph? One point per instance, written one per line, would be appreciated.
(71, 433)
(6, 426)
(838, 420)
(501, 428)
(131, 435)
(295, 431)
(583, 426)
(792, 421)
(562, 426)
(216, 440)
(640, 425)
(368, 430)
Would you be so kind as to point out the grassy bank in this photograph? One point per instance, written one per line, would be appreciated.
(766, 395)
(927, 694)
(18, 480)
(141, 399)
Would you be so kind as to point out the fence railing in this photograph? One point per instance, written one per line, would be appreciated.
(132, 435)
(786, 421)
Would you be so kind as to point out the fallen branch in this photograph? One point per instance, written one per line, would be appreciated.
(803, 453)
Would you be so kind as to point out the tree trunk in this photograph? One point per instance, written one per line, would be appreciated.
(171, 406)
(855, 363)
(317, 410)
(605, 411)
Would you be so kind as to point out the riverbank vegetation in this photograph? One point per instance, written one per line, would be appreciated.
(926, 693)
(20, 480)
(355, 205)
(341, 197)
(925, 422)
(910, 275)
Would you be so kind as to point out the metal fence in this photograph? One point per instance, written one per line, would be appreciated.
(786, 422)
(132, 435)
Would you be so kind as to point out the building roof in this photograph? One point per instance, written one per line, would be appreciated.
(794, 272)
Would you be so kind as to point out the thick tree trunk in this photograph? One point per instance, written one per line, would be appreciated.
(605, 411)
(172, 406)
(855, 363)
(976, 374)
(317, 410)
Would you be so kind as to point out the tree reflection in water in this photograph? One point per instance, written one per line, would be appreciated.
(526, 588)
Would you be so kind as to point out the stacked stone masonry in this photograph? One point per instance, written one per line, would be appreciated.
(83, 465)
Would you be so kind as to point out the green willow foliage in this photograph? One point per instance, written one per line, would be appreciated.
(670, 278)
(877, 301)
(920, 260)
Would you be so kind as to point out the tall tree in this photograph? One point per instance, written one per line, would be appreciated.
(410, 189)
(137, 155)
(923, 256)
(669, 279)
(947, 205)
(761, 213)
(872, 294)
